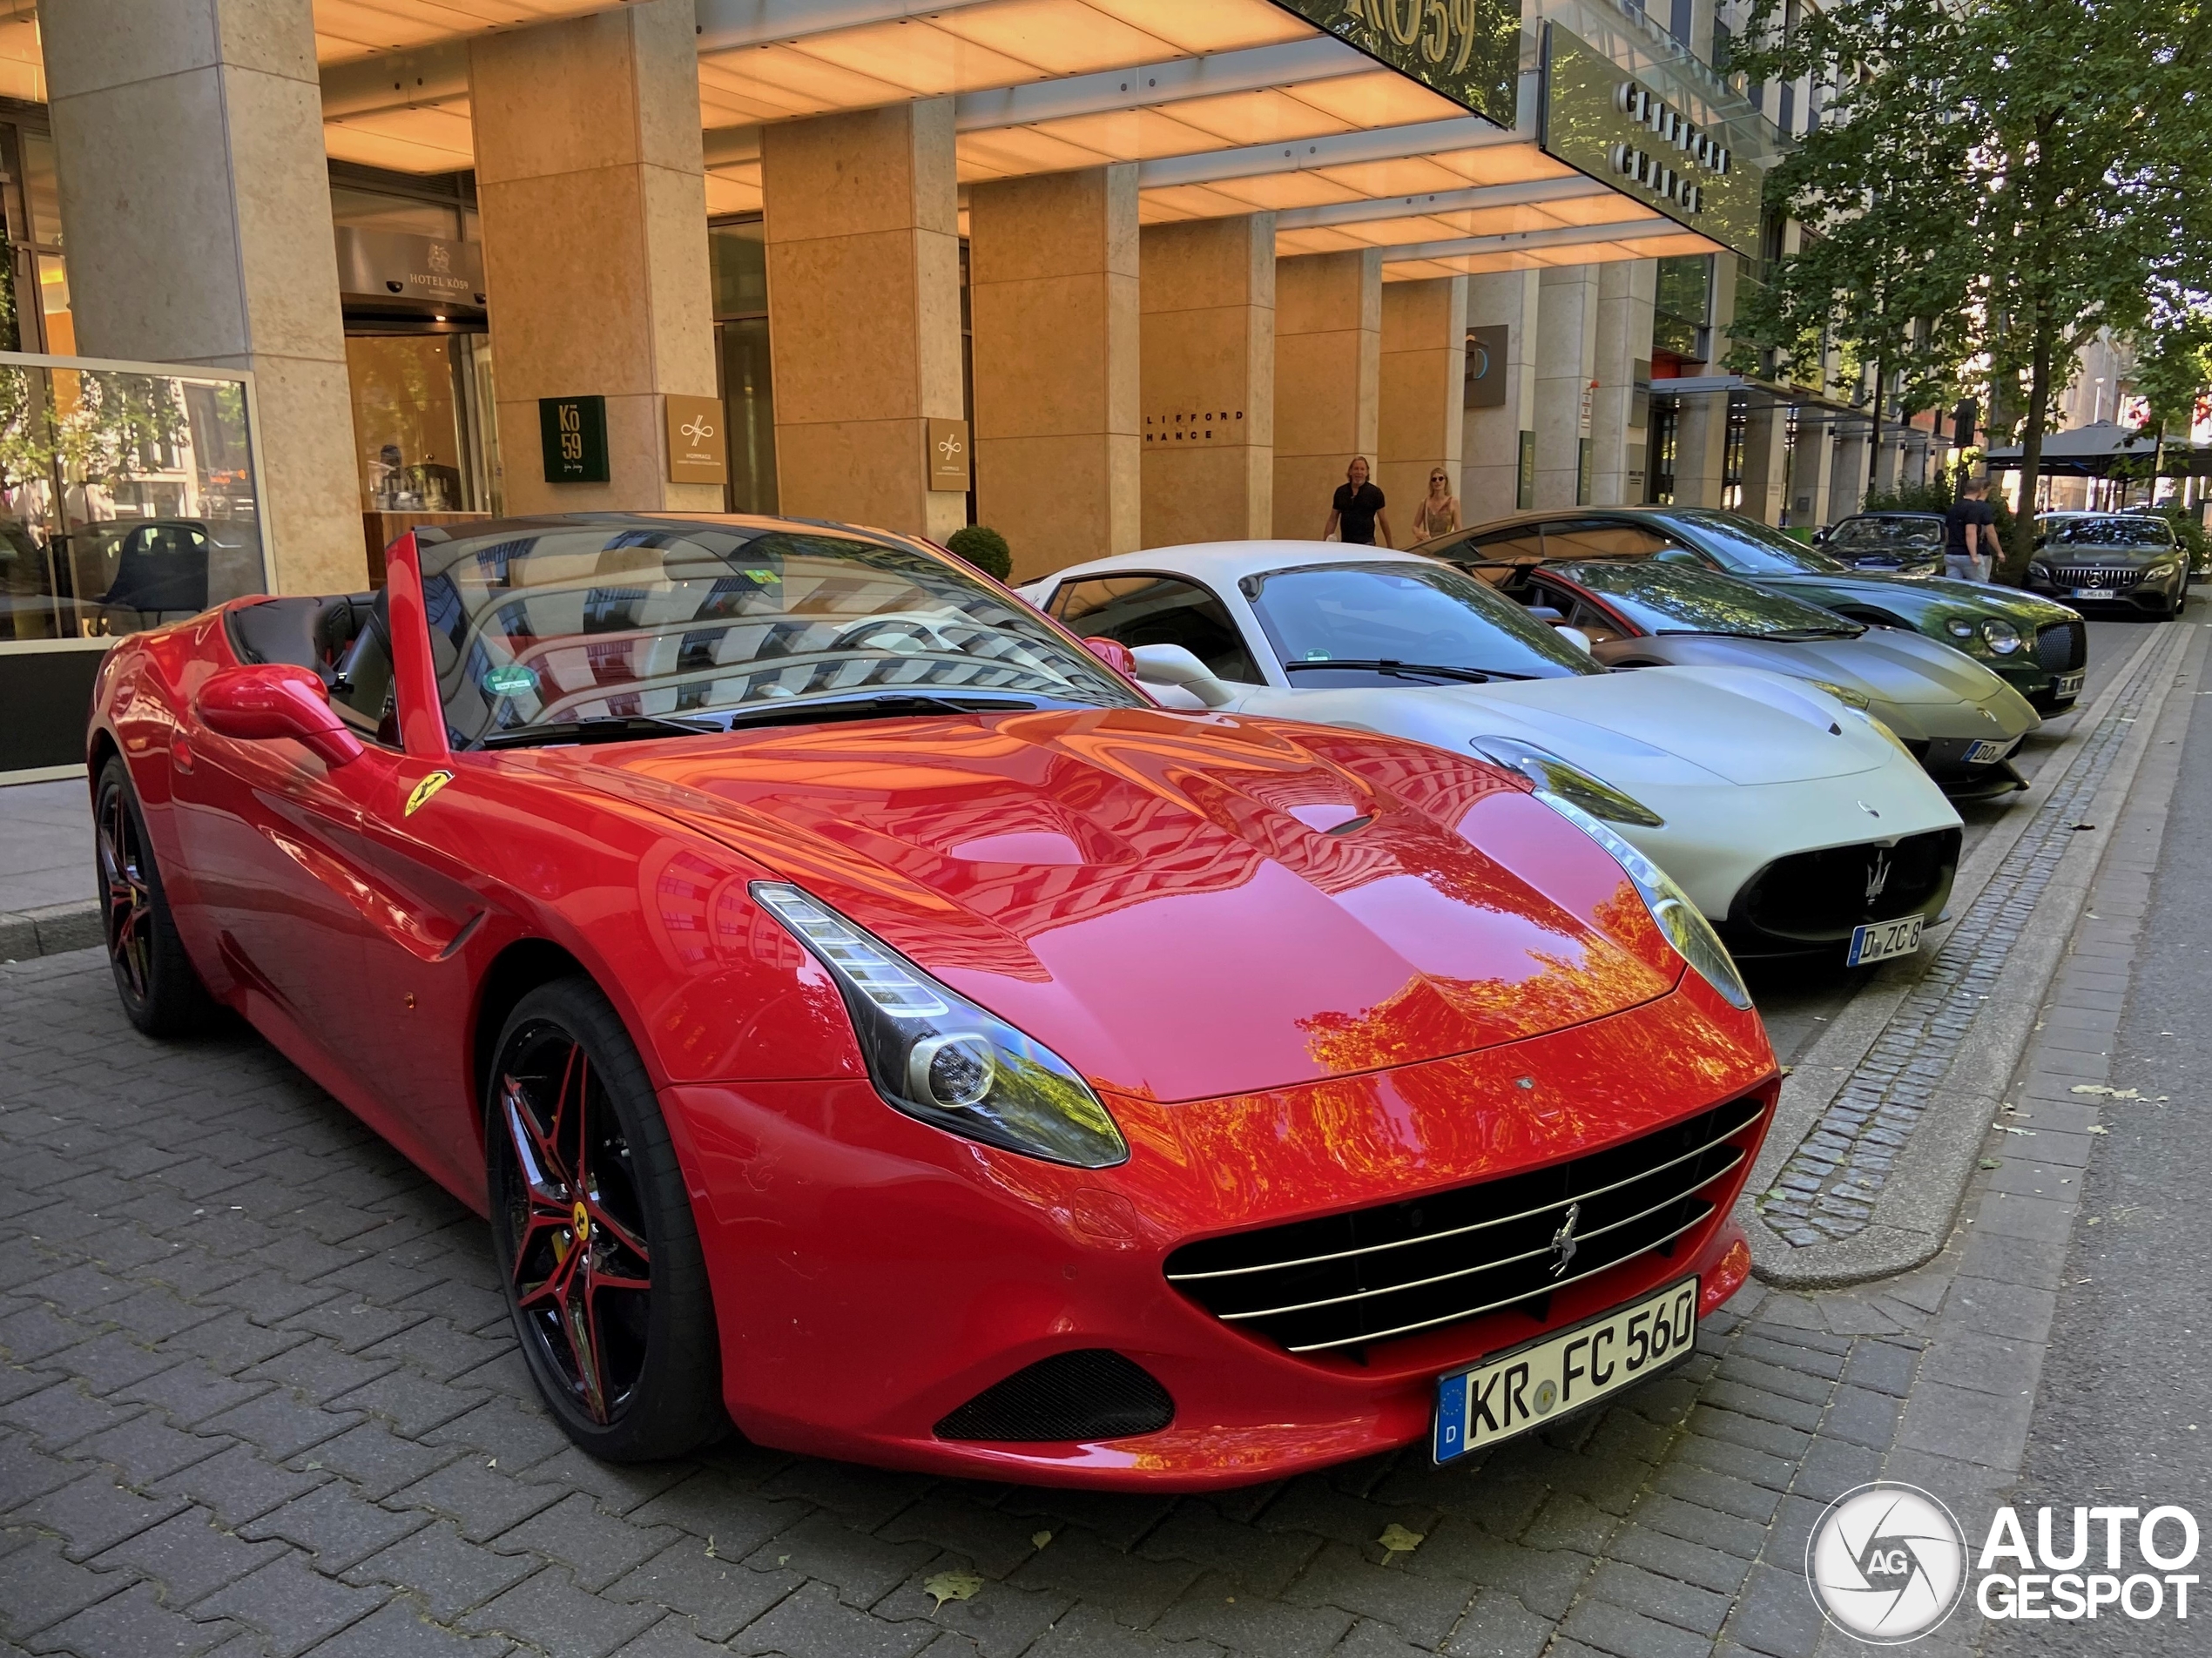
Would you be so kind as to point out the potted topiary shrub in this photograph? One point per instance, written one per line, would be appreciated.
(984, 547)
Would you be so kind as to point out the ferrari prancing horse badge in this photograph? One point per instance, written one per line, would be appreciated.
(424, 790)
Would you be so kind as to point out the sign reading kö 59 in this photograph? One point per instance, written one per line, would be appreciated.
(1467, 49)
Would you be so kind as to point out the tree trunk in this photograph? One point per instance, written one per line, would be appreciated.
(1874, 445)
(2039, 402)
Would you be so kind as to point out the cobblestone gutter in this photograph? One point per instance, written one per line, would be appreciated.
(1864, 1150)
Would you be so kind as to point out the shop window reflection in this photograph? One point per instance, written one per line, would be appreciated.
(126, 501)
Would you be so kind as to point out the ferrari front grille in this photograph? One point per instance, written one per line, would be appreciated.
(1375, 1274)
(1818, 895)
(2062, 647)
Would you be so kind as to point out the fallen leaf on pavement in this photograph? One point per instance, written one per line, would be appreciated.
(1038, 1539)
(2108, 1093)
(952, 1586)
(2099, 1128)
(1399, 1541)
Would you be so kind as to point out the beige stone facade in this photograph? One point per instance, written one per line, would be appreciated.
(591, 187)
(1052, 289)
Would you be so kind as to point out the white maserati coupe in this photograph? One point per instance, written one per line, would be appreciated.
(1796, 824)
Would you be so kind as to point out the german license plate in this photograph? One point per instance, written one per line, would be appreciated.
(2069, 685)
(2093, 592)
(1526, 1386)
(1879, 940)
(1988, 751)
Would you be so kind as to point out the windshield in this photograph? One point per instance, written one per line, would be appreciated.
(1415, 615)
(1679, 598)
(2112, 532)
(627, 620)
(1887, 535)
(1750, 548)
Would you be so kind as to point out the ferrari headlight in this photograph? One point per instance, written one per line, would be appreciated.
(2000, 635)
(1686, 927)
(1844, 694)
(937, 1056)
(1959, 627)
(1547, 770)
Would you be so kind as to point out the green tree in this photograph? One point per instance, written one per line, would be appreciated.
(2027, 164)
(1886, 261)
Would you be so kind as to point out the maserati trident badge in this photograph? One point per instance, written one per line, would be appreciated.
(1878, 874)
(1563, 1244)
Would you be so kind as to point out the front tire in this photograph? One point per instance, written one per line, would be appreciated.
(598, 1251)
(161, 990)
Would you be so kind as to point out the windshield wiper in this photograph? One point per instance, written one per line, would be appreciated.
(600, 728)
(877, 704)
(1784, 635)
(1396, 669)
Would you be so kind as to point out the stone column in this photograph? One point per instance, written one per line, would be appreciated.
(195, 200)
(1490, 476)
(1766, 431)
(593, 195)
(1421, 421)
(1328, 373)
(1701, 439)
(1052, 296)
(1566, 362)
(1620, 408)
(1811, 466)
(1847, 485)
(1207, 296)
(863, 241)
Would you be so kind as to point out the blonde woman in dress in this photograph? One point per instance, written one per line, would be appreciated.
(1438, 513)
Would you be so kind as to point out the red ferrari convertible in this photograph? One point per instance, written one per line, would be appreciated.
(864, 1017)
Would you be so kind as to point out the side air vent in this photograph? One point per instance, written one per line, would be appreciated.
(1091, 1394)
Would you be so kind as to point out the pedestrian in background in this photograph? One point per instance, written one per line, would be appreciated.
(1438, 513)
(1357, 509)
(1970, 533)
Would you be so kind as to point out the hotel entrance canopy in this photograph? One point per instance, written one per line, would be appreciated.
(1456, 136)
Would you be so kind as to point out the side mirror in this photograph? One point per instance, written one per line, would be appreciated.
(264, 700)
(1547, 613)
(1576, 638)
(1114, 654)
(1820, 536)
(2039, 540)
(1171, 664)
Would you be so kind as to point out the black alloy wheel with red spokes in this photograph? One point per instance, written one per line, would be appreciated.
(125, 896)
(161, 991)
(598, 1249)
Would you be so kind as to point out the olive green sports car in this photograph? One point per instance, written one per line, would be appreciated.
(2038, 648)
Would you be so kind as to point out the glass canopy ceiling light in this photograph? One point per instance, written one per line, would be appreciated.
(1227, 106)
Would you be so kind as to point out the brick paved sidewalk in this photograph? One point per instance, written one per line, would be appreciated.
(261, 1397)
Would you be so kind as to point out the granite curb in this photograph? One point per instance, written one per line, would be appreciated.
(1914, 1214)
(49, 930)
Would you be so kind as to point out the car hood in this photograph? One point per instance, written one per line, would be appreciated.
(1743, 727)
(1887, 664)
(2126, 558)
(1917, 597)
(1159, 897)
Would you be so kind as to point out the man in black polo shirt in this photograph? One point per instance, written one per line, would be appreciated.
(1358, 509)
(1970, 534)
